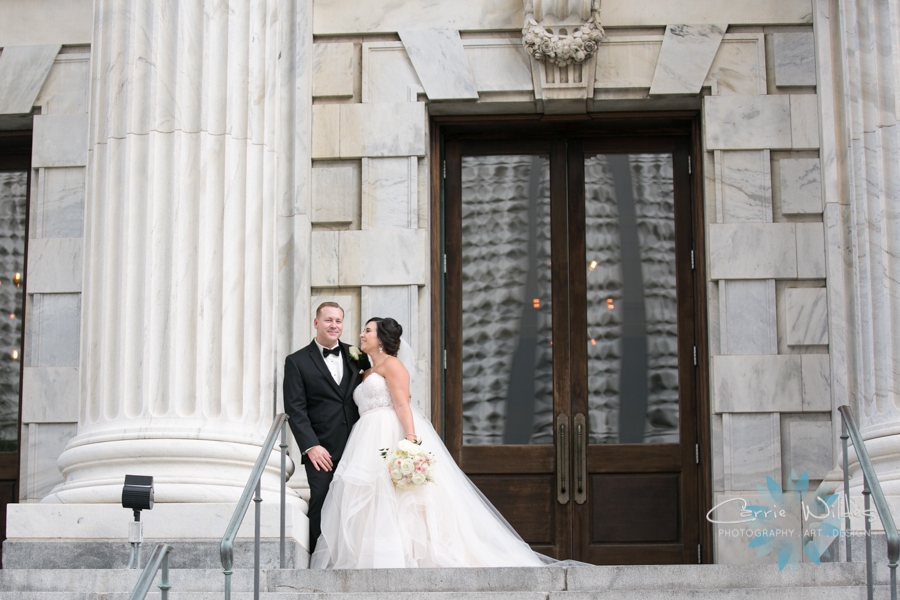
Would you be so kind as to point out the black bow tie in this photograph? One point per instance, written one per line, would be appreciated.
(336, 351)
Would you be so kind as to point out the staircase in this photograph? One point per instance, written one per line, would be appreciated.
(845, 581)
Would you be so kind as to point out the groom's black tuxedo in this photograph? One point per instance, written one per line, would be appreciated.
(322, 412)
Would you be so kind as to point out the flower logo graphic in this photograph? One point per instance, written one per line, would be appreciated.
(820, 519)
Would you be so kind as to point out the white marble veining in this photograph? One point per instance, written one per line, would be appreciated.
(326, 131)
(769, 383)
(686, 55)
(752, 251)
(810, 251)
(59, 141)
(324, 258)
(27, 23)
(801, 186)
(744, 185)
(391, 129)
(50, 395)
(389, 193)
(54, 331)
(335, 192)
(747, 122)
(369, 257)
(806, 316)
(333, 70)
(499, 65)
(747, 317)
(54, 265)
(627, 61)
(387, 73)
(59, 209)
(42, 443)
(383, 257)
(387, 16)
(627, 13)
(808, 445)
(739, 66)
(717, 448)
(66, 90)
(804, 121)
(795, 58)
(23, 70)
(752, 449)
(815, 373)
(440, 61)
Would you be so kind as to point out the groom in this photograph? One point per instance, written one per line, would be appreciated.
(318, 396)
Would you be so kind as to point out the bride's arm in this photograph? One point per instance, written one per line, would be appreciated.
(398, 384)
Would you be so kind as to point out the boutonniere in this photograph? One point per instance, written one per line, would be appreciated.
(354, 353)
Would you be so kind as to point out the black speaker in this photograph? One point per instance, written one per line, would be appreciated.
(138, 492)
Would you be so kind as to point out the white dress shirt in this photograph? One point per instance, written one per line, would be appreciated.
(335, 363)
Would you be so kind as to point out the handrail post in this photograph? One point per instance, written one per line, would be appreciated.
(844, 437)
(281, 549)
(164, 586)
(867, 493)
(258, 513)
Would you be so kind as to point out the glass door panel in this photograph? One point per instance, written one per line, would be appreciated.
(632, 312)
(507, 364)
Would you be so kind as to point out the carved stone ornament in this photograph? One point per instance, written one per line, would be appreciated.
(560, 48)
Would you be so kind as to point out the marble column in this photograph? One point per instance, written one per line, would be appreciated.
(866, 205)
(191, 103)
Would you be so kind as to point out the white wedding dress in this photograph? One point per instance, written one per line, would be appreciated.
(368, 523)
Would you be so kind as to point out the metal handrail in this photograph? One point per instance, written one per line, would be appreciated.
(158, 559)
(226, 548)
(871, 486)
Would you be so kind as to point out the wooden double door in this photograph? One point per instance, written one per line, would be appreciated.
(570, 387)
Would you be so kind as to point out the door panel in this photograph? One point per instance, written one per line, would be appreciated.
(569, 387)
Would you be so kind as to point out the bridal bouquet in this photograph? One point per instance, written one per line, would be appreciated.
(409, 464)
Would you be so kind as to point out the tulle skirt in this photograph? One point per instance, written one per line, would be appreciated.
(368, 523)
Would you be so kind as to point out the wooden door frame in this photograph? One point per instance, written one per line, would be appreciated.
(619, 124)
(15, 154)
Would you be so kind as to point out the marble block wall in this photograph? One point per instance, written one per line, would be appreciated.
(53, 82)
(771, 393)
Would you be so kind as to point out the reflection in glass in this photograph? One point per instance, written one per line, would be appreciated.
(507, 370)
(13, 188)
(631, 305)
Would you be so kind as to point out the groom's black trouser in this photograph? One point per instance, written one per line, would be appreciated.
(318, 489)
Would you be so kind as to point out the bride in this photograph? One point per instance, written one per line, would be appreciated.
(367, 522)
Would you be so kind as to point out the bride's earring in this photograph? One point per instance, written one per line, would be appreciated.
(380, 348)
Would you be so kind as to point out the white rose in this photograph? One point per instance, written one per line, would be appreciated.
(416, 450)
(396, 475)
(354, 353)
(405, 446)
(418, 478)
(407, 466)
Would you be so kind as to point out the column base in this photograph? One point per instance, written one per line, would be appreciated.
(95, 536)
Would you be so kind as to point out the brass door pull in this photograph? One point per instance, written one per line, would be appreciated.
(562, 459)
(580, 459)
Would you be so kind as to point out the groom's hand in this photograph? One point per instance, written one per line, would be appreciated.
(320, 458)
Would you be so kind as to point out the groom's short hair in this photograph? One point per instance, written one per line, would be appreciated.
(328, 304)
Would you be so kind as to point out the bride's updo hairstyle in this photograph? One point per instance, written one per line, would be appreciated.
(389, 332)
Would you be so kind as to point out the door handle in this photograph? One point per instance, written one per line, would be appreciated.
(580, 459)
(562, 458)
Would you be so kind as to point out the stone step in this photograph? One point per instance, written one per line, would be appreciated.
(791, 593)
(665, 582)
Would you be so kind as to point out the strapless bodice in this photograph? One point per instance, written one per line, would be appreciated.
(372, 393)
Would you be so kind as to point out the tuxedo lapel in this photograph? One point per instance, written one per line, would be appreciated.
(320, 362)
(352, 368)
